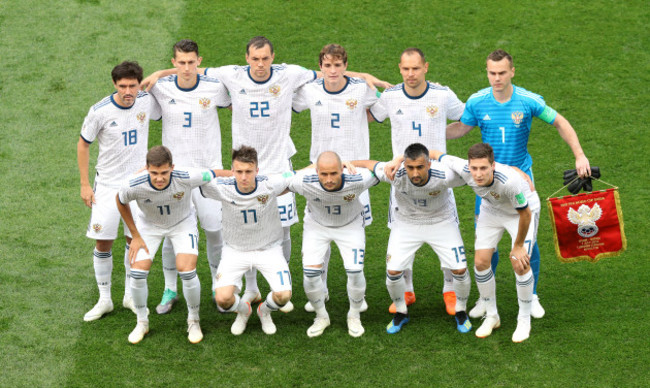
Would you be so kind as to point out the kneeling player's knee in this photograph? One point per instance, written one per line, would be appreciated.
(224, 299)
(393, 276)
(459, 271)
(311, 272)
(356, 278)
(281, 297)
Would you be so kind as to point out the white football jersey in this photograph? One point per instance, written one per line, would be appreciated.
(261, 111)
(250, 220)
(190, 126)
(428, 204)
(418, 119)
(169, 206)
(333, 208)
(338, 119)
(122, 134)
(508, 192)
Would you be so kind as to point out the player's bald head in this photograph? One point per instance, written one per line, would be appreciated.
(413, 51)
(329, 159)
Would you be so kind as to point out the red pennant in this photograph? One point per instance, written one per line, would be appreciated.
(587, 226)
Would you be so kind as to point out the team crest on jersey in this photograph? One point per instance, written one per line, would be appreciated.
(351, 103)
(432, 110)
(179, 195)
(517, 117)
(434, 193)
(350, 197)
(586, 219)
(204, 102)
(218, 276)
(97, 228)
(495, 195)
(141, 116)
(274, 90)
(263, 199)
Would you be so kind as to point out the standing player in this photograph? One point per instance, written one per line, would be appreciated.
(338, 106)
(504, 112)
(120, 124)
(261, 96)
(190, 129)
(418, 112)
(164, 197)
(425, 212)
(253, 238)
(334, 213)
(511, 204)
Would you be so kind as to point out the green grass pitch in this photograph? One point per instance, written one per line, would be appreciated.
(591, 62)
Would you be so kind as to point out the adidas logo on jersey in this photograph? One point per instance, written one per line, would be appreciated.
(113, 124)
(172, 102)
(399, 112)
(319, 103)
(486, 117)
(242, 91)
(316, 199)
(147, 200)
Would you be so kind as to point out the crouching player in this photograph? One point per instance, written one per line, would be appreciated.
(163, 195)
(509, 202)
(253, 235)
(424, 213)
(334, 213)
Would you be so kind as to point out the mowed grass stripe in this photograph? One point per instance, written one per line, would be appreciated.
(61, 55)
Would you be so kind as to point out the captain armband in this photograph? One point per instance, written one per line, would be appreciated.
(548, 114)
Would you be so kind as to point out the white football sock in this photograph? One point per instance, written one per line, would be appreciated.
(487, 288)
(395, 285)
(192, 293)
(127, 271)
(313, 284)
(213, 247)
(140, 293)
(169, 265)
(103, 264)
(356, 292)
(525, 285)
(462, 285)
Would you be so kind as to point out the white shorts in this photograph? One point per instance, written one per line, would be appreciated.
(367, 209)
(183, 236)
(444, 237)
(287, 209)
(350, 239)
(105, 218)
(208, 210)
(270, 262)
(490, 227)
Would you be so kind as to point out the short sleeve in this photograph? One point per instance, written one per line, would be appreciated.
(279, 182)
(299, 102)
(303, 75)
(91, 127)
(211, 190)
(379, 111)
(379, 172)
(455, 106)
(369, 178)
(469, 117)
(371, 97)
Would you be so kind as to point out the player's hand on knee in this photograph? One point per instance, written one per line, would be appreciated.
(519, 259)
(137, 243)
(88, 195)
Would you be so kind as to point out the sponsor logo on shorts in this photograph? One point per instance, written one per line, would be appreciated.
(275, 90)
(350, 197)
(517, 117)
(141, 116)
(97, 228)
(204, 102)
(263, 199)
(351, 103)
(495, 195)
(432, 110)
(179, 195)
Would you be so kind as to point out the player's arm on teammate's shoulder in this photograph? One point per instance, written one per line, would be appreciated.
(83, 157)
(526, 178)
(457, 129)
(222, 173)
(152, 78)
(370, 79)
(137, 242)
(435, 154)
(570, 136)
(518, 255)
